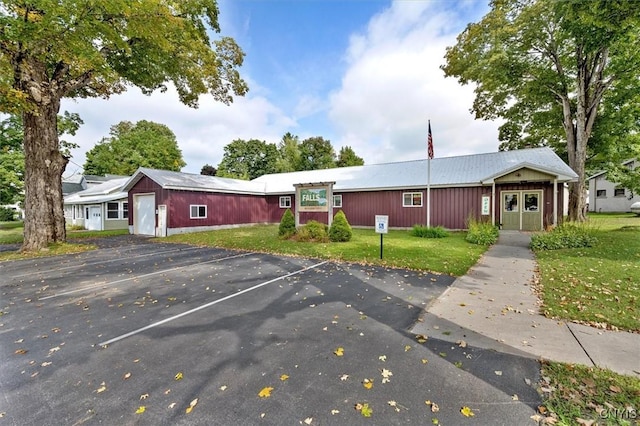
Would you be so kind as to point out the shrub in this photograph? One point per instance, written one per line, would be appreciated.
(429, 232)
(564, 236)
(481, 233)
(312, 231)
(340, 229)
(7, 214)
(287, 224)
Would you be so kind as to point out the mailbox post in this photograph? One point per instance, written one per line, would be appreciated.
(382, 227)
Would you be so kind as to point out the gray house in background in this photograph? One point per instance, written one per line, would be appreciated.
(100, 207)
(608, 197)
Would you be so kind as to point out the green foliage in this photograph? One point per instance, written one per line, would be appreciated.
(208, 170)
(7, 214)
(533, 61)
(130, 146)
(248, 159)
(564, 236)
(287, 224)
(347, 157)
(429, 231)
(288, 154)
(312, 231)
(340, 230)
(316, 153)
(481, 233)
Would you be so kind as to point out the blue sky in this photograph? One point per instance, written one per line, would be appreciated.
(360, 73)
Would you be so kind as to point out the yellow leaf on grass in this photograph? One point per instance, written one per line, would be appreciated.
(339, 351)
(178, 376)
(284, 377)
(265, 392)
(141, 409)
(191, 405)
(466, 411)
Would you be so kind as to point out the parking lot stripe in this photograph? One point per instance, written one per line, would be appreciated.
(109, 283)
(207, 305)
(84, 265)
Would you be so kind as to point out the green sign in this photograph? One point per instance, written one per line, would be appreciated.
(313, 200)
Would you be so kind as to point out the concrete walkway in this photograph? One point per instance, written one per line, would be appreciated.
(495, 307)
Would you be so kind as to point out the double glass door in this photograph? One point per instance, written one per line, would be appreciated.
(521, 210)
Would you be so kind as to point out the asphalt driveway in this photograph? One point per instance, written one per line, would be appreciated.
(141, 332)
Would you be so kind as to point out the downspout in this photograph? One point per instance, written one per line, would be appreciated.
(493, 203)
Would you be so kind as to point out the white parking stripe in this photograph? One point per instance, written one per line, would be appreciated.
(175, 317)
(110, 283)
(43, 271)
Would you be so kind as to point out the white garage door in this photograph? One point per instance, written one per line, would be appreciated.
(144, 214)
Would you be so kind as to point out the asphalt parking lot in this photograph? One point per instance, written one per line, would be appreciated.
(141, 332)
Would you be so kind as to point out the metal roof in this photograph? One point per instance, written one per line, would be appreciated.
(466, 170)
(195, 182)
(106, 191)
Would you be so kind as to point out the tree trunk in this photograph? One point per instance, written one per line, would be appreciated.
(44, 165)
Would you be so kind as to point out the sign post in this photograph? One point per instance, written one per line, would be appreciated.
(382, 227)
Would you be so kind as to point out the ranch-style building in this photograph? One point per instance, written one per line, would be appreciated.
(607, 196)
(517, 190)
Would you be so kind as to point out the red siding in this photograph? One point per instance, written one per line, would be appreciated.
(450, 207)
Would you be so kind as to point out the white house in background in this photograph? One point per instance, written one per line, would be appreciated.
(100, 207)
(606, 196)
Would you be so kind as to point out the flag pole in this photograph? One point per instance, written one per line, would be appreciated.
(429, 157)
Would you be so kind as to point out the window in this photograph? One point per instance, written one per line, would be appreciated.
(618, 192)
(511, 202)
(285, 202)
(601, 193)
(337, 201)
(531, 202)
(113, 211)
(412, 199)
(198, 212)
(125, 210)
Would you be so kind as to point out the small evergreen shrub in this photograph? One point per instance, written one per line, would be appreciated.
(564, 236)
(429, 232)
(340, 230)
(481, 233)
(312, 231)
(287, 225)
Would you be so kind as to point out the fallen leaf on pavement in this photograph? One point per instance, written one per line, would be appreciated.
(466, 411)
(192, 404)
(178, 376)
(141, 409)
(284, 377)
(339, 351)
(367, 383)
(265, 392)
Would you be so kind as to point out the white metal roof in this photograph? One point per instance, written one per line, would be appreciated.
(106, 191)
(463, 170)
(195, 182)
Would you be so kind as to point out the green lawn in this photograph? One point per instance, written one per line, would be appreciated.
(452, 255)
(12, 233)
(597, 285)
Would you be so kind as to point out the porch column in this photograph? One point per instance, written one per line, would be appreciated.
(493, 203)
(555, 202)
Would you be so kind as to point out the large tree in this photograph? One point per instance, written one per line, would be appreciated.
(347, 157)
(50, 50)
(288, 154)
(548, 68)
(317, 153)
(143, 144)
(12, 154)
(248, 159)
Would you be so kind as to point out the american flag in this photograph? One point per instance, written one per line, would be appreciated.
(430, 142)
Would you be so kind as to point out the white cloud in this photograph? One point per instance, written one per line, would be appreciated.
(393, 85)
(201, 133)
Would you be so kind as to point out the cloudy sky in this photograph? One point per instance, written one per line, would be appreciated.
(360, 73)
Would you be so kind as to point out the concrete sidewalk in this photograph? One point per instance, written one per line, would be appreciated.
(494, 307)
